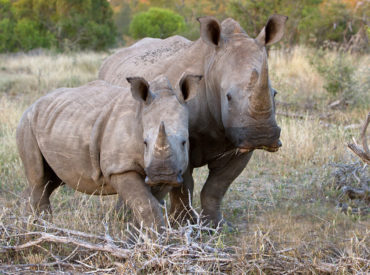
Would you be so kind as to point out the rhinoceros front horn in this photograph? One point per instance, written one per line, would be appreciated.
(260, 98)
(162, 146)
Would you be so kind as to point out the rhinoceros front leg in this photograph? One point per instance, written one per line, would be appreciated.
(159, 192)
(181, 209)
(136, 194)
(222, 173)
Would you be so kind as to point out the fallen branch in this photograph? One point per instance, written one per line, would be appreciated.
(40, 265)
(363, 152)
(354, 193)
(46, 237)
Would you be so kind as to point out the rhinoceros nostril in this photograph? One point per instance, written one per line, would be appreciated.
(228, 96)
(179, 178)
(279, 144)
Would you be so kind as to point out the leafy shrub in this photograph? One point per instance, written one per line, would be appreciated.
(29, 24)
(338, 73)
(6, 34)
(27, 35)
(345, 77)
(310, 21)
(156, 22)
(6, 26)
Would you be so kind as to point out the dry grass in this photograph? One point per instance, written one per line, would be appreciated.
(35, 75)
(283, 205)
(293, 72)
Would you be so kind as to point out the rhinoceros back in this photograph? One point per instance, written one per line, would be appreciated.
(70, 123)
(144, 53)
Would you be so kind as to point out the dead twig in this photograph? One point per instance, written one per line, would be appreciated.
(363, 152)
(354, 193)
(47, 237)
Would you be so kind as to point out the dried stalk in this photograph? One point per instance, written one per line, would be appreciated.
(47, 237)
(363, 152)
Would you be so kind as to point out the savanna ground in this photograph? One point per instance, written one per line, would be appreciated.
(284, 205)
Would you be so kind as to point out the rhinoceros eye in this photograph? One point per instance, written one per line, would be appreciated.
(275, 92)
(145, 143)
(183, 143)
(228, 96)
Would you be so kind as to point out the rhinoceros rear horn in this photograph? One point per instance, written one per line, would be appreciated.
(210, 30)
(162, 146)
(189, 85)
(140, 89)
(273, 31)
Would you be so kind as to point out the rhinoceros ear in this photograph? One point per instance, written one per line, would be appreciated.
(140, 89)
(210, 30)
(273, 31)
(189, 85)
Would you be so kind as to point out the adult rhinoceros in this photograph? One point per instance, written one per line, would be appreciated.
(102, 139)
(233, 112)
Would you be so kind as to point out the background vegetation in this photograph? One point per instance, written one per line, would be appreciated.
(99, 24)
(59, 24)
(156, 22)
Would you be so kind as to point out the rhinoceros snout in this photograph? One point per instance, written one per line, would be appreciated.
(251, 138)
(174, 180)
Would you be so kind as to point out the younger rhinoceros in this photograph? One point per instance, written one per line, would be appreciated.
(101, 139)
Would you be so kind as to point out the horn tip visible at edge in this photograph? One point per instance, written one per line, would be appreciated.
(162, 128)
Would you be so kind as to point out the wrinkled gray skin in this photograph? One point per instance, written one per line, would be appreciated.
(104, 139)
(234, 110)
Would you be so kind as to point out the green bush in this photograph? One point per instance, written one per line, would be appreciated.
(156, 22)
(337, 71)
(64, 24)
(310, 21)
(6, 35)
(27, 36)
(6, 26)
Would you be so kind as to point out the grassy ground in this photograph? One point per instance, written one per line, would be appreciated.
(283, 205)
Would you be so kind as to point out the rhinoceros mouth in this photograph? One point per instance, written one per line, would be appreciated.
(266, 148)
(174, 181)
(272, 147)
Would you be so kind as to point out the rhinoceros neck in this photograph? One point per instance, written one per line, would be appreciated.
(204, 109)
(205, 124)
(195, 60)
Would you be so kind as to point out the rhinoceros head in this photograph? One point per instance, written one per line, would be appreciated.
(238, 86)
(165, 126)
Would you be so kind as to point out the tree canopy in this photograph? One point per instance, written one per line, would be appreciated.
(310, 21)
(63, 24)
(156, 22)
(97, 24)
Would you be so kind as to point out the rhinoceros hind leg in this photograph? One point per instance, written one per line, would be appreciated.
(42, 180)
(41, 190)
